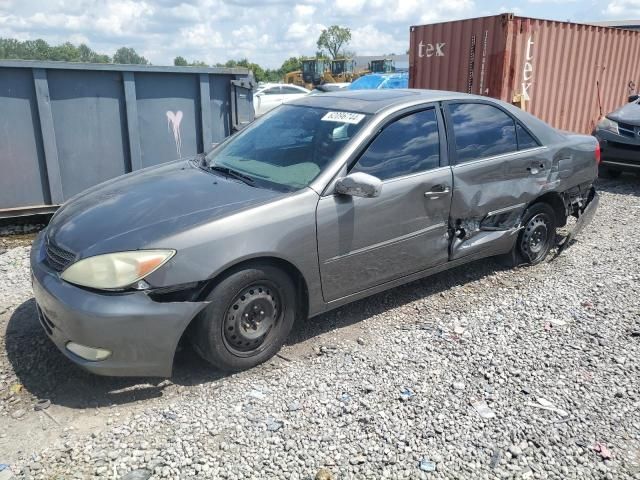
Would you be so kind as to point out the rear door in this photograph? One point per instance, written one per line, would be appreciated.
(365, 242)
(499, 167)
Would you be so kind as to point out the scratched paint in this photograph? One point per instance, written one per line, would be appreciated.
(173, 125)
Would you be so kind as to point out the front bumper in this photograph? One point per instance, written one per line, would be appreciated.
(141, 334)
(619, 152)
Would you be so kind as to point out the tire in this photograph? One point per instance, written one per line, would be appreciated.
(537, 236)
(250, 316)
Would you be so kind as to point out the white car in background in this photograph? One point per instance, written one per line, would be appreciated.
(329, 87)
(270, 95)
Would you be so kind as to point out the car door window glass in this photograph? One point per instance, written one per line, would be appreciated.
(525, 140)
(481, 131)
(272, 91)
(291, 91)
(408, 145)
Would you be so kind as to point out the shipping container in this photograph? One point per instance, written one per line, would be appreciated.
(65, 127)
(567, 74)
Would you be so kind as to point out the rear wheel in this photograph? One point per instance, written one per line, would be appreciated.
(250, 315)
(538, 234)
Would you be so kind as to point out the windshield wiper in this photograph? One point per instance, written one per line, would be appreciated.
(233, 173)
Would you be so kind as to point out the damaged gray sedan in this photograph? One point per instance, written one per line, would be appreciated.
(322, 201)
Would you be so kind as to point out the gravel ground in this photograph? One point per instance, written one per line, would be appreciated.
(480, 372)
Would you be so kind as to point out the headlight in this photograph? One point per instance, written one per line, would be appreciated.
(608, 124)
(114, 271)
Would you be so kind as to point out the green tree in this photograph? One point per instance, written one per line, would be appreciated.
(180, 62)
(291, 64)
(41, 50)
(129, 56)
(88, 55)
(333, 39)
(35, 50)
(66, 52)
(258, 72)
(271, 75)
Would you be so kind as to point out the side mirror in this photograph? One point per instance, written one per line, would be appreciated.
(633, 98)
(359, 184)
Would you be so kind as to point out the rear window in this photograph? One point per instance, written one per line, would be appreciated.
(525, 140)
(481, 131)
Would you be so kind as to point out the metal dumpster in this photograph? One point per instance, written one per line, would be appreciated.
(567, 74)
(67, 126)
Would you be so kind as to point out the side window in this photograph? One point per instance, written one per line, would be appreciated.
(525, 140)
(291, 90)
(272, 91)
(408, 145)
(481, 131)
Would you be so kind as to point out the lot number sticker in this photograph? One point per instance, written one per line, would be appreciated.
(344, 117)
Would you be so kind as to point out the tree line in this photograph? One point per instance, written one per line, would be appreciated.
(331, 44)
(12, 49)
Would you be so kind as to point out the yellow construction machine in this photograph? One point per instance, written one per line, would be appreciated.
(313, 73)
(342, 70)
(381, 66)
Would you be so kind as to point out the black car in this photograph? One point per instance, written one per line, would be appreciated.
(619, 136)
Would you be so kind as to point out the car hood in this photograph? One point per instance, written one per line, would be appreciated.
(140, 209)
(630, 113)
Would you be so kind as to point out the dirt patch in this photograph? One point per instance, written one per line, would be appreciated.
(17, 240)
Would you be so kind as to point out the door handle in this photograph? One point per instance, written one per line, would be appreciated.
(439, 190)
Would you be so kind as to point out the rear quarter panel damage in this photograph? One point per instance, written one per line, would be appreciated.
(490, 196)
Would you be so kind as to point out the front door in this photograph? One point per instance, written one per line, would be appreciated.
(365, 242)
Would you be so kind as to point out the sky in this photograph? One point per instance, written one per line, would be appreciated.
(265, 31)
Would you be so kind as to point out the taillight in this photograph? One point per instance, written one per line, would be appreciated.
(598, 153)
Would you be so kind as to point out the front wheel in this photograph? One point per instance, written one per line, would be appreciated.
(538, 234)
(250, 315)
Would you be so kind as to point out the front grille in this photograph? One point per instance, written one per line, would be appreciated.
(58, 258)
(627, 130)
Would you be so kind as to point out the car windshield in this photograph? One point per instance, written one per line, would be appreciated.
(288, 147)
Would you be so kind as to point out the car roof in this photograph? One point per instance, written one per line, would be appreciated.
(269, 85)
(387, 74)
(374, 101)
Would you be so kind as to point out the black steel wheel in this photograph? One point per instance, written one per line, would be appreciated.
(251, 318)
(538, 233)
(250, 314)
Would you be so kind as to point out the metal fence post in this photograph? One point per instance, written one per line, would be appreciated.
(41, 85)
(205, 112)
(130, 100)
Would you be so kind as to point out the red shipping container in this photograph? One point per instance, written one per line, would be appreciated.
(567, 74)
